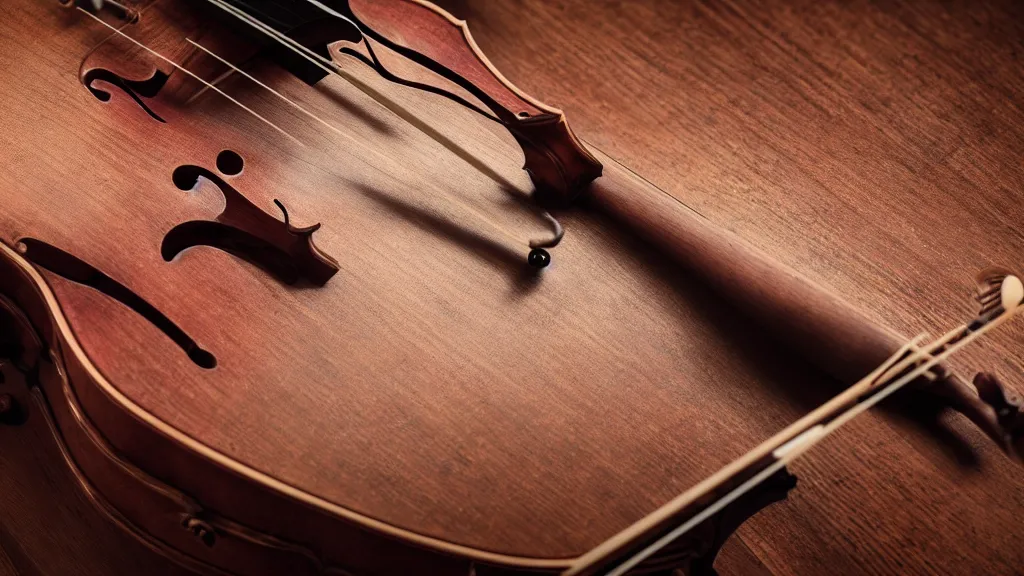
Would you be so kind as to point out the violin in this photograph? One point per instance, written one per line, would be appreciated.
(310, 287)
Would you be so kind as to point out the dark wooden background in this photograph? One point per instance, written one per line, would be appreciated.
(878, 148)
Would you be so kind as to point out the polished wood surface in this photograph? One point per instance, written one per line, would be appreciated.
(437, 389)
(49, 527)
(833, 138)
(874, 147)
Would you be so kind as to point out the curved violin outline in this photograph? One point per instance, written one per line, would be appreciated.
(150, 431)
(70, 267)
(147, 429)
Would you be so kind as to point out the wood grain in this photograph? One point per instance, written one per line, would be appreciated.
(856, 143)
(6, 568)
(436, 387)
(873, 147)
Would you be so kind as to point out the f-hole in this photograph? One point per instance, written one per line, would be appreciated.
(246, 231)
(230, 163)
(136, 89)
(76, 270)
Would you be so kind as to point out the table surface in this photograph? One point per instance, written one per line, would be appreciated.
(876, 148)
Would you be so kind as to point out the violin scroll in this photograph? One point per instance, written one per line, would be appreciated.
(998, 291)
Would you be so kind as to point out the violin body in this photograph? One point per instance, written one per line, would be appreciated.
(350, 426)
(277, 341)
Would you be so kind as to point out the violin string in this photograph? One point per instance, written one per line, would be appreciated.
(398, 109)
(261, 84)
(803, 442)
(815, 434)
(331, 67)
(275, 35)
(480, 216)
(190, 74)
(215, 82)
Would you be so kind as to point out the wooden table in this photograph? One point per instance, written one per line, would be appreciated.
(877, 148)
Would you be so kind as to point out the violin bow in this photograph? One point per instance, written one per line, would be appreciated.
(1000, 296)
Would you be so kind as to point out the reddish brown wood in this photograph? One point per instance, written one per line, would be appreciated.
(243, 229)
(559, 165)
(872, 147)
(822, 327)
(6, 567)
(415, 452)
(408, 399)
(49, 526)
